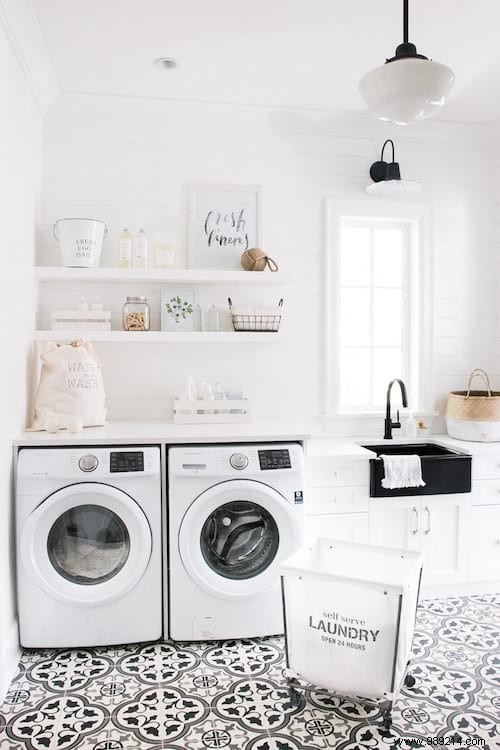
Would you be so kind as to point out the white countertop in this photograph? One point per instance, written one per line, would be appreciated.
(132, 432)
(318, 443)
(352, 446)
(339, 447)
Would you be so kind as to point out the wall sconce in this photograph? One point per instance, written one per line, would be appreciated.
(386, 177)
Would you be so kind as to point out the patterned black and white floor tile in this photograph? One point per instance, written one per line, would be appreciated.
(232, 694)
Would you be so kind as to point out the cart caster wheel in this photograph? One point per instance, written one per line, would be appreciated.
(410, 681)
(294, 696)
(386, 721)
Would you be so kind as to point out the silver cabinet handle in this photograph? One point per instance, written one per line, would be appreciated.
(428, 529)
(415, 530)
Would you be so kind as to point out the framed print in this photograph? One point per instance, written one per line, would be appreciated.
(224, 221)
(177, 307)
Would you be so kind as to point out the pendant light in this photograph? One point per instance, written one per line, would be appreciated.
(387, 177)
(409, 86)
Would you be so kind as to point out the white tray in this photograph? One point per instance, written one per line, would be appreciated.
(212, 411)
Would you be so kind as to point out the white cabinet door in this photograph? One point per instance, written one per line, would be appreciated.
(348, 527)
(395, 522)
(484, 543)
(444, 521)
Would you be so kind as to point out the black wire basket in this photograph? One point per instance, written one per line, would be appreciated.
(254, 321)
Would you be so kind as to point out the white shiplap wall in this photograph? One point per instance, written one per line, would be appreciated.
(129, 162)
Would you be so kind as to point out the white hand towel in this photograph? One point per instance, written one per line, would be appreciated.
(402, 471)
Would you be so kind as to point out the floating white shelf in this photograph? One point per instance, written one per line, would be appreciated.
(147, 337)
(160, 276)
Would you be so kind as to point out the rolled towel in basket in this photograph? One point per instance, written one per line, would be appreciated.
(402, 471)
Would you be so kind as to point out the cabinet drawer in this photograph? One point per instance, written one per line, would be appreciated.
(486, 467)
(323, 471)
(319, 500)
(486, 492)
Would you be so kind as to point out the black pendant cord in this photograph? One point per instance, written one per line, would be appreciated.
(406, 49)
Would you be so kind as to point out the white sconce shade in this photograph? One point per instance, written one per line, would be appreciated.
(393, 187)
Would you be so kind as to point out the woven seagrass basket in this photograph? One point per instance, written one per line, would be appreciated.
(474, 415)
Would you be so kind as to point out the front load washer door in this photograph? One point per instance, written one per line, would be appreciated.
(87, 544)
(234, 535)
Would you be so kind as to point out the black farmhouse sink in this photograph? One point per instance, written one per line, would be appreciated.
(444, 470)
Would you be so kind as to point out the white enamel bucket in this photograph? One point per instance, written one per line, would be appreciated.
(80, 241)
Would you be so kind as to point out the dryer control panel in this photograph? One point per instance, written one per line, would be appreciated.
(238, 461)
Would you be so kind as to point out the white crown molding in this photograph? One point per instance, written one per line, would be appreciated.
(19, 20)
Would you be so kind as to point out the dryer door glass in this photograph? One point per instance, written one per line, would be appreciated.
(239, 540)
(88, 544)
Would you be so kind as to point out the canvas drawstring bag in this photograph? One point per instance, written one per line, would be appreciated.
(71, 387)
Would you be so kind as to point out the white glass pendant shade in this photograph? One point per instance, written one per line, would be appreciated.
(393, 187)
(406, 90)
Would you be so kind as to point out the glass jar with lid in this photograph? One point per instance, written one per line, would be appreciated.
(136, 314)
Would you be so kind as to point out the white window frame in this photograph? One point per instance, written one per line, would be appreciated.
(418, 218)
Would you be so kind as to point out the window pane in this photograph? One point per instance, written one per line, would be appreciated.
(388, 246)
(387, 317)
(387, 364)
(354, 377)
(354, 317)
(355, 256)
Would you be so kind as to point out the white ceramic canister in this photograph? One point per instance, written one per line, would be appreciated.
(80, 241)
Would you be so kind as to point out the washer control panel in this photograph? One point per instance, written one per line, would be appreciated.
(124, 461)
(89, 462)
(278, 458)
(93, 463)
(239, 461)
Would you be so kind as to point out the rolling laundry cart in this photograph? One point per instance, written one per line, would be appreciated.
(349, 612)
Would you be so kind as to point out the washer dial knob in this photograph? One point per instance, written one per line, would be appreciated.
(88, 462)
(239, 461)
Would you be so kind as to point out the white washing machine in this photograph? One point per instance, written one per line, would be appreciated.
(235, 512)
(88, 546)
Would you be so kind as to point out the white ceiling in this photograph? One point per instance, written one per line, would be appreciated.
(299, 53)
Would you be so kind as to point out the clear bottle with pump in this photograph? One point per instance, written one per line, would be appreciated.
(83, 304)
(125, 256)
(199, 318)
(411, 426)
(213, 319)
(141, 250)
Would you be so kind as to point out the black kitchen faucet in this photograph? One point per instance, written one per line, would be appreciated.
(388, 423)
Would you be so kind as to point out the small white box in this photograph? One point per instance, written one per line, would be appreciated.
(80, 320)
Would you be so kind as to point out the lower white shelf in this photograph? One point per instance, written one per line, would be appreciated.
(158, 336)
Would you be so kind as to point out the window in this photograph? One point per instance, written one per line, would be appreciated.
(375, 321)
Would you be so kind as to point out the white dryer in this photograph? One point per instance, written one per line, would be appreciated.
(88, 545)
(235, 513)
